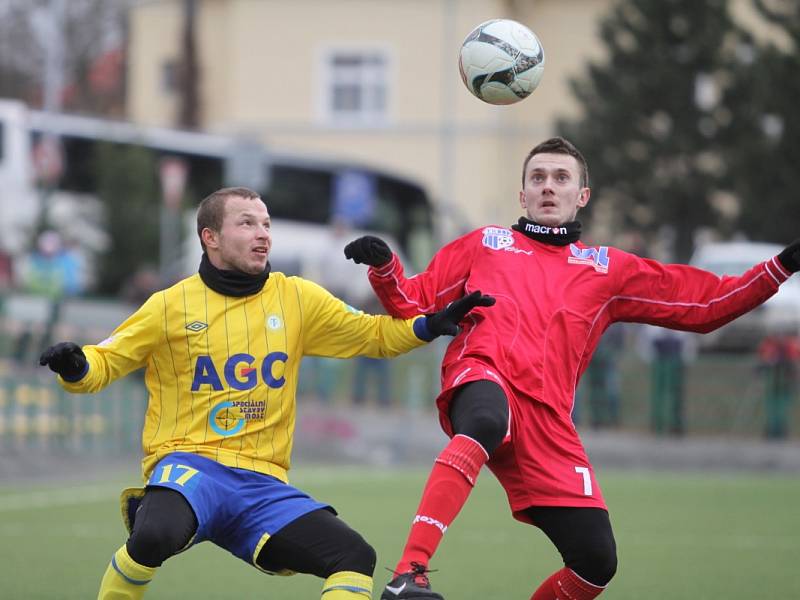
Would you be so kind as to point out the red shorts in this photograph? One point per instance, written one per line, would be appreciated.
(541, 461)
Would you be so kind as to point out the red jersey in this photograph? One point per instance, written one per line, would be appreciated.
(554, 302)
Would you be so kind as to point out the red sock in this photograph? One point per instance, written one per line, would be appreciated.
(451, 480)
(566, 585)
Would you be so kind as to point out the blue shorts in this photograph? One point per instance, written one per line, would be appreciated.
(236, 509)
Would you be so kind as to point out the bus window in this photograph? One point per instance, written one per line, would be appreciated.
(305, 193)
(404, 211)
(80, 169)
(308, 192)
(299, 193)
(205, 174)
(79, 174)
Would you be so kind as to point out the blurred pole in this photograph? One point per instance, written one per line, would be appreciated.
(189, 111)
(173, 172)
(447, 145)
(53, 40)
(48, 153)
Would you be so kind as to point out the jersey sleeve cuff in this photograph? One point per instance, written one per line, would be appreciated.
(421, 329)
(776, 270)
(385, 270)
(79, 376)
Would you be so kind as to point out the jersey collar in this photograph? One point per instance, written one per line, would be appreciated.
(555, 236)
(231, 283)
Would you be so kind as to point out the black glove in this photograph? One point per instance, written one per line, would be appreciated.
(368, 250)
(445, 322)
(790, 257)
(66, 359)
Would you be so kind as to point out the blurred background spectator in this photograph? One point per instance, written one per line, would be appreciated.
(371, 376)
(779, 359)
(668, 352)
(603, 379)
(6, 272)
(52, 272)
(51, 269)
(141, 285)
(320, 376)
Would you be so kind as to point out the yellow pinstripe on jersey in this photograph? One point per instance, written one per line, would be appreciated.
(221, 371)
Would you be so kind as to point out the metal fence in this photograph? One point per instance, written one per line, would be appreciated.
(36, 415)
(719, 394)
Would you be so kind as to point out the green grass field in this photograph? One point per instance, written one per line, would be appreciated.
(693, 537)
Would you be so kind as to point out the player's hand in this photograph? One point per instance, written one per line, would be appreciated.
(790, 257)
(66, 359)
(369, 250)
(445, 322)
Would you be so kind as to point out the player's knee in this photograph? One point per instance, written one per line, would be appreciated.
(164, 525)
(151, 545)
(480, 410)
(486, 426)
(597, 563)
(354, 554)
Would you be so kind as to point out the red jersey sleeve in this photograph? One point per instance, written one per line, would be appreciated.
(687, 298)
(433, 289)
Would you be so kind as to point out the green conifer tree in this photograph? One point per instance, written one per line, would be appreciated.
(763, 140)
(653, 115)
(129, 190)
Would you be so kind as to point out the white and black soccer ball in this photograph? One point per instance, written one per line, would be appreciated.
(501, 61)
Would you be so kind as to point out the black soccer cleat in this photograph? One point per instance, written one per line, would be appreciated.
(411, 585)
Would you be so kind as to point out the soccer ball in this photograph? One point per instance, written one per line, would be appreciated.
(501, 61)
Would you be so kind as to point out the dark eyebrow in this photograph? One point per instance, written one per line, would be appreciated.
(543, 170)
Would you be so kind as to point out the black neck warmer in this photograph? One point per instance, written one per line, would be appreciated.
(555, 236)
(231, 283)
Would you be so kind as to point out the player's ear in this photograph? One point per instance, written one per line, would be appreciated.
(522, 201)
(583, 199)
(210, 238)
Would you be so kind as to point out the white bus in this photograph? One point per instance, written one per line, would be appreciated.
(303, 194)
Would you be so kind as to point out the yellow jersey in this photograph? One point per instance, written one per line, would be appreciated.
(221, 371)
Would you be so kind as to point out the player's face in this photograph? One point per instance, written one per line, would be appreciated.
(552, 193)
(244, 242)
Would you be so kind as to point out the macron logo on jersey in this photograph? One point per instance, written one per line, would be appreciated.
(594, 257)
(536, 228)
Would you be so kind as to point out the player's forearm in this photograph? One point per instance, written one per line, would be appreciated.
(396, 337)
(100, 371)
(401, 297)
(90, 381)
(737, 296)
(693, 300)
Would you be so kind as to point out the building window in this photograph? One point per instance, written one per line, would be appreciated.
(356, 87)
(170, 74)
